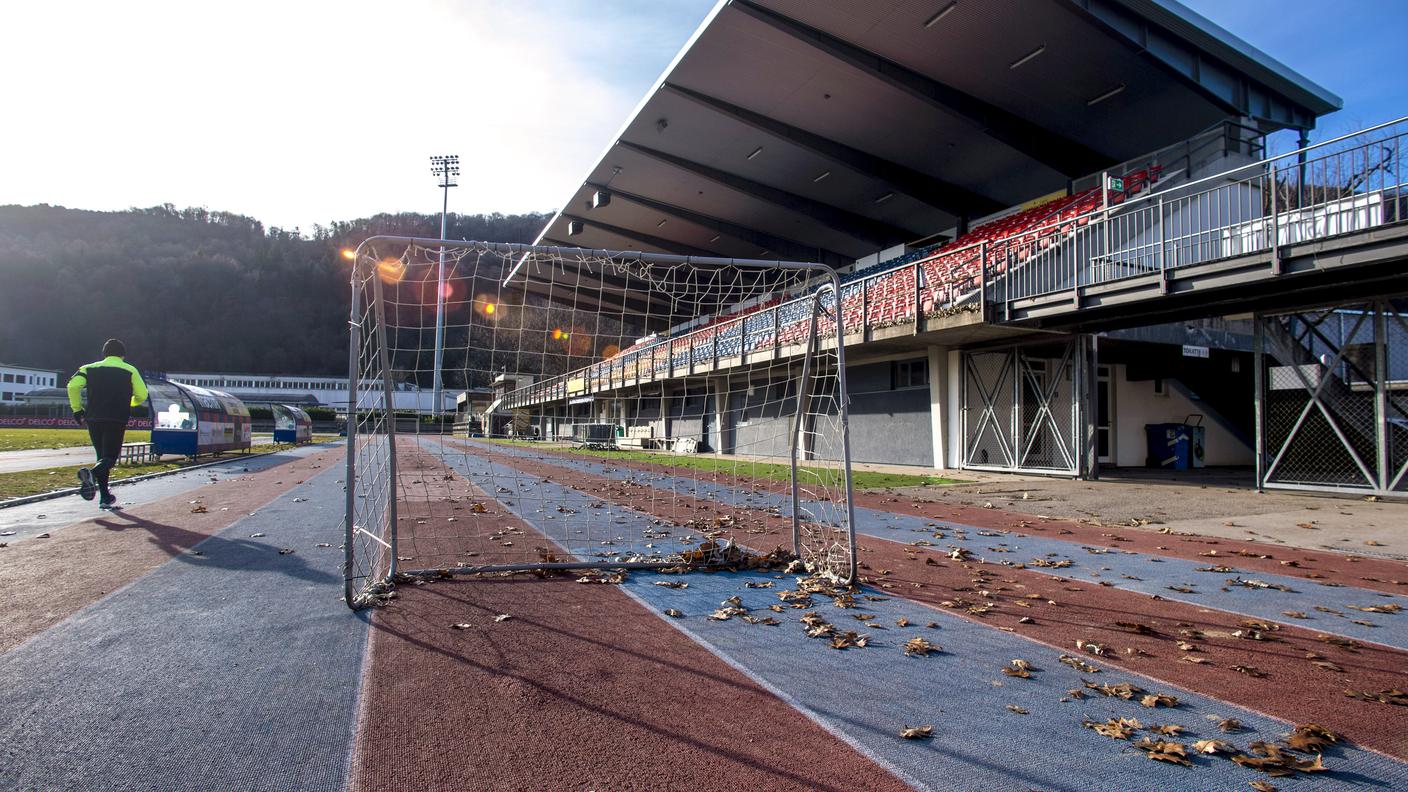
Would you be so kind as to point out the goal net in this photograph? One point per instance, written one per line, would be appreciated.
(591, 409)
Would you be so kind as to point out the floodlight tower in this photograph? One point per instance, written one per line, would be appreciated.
(446, 168)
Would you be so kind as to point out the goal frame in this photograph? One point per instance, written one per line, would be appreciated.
(815, 346)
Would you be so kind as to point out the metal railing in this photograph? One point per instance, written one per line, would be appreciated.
(1345, 185)
(1339, 186)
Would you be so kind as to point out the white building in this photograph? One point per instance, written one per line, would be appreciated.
(15, 381)
(306, 391)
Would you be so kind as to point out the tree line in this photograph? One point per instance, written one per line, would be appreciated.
(194, 289)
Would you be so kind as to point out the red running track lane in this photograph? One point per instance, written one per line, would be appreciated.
(44, 581)
(583, 688)
(1375, 574)
(1293, 688)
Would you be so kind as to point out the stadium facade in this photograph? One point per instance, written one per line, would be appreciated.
(1058, 223)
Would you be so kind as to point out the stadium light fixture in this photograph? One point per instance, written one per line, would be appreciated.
(600, 198)
(1017, 63)
(662, 222)
(822, 176)
(940, 14)
(756, 152)
(574, 227)
(446, 168)
(716, 238)
(1102, 97)
(882, 199)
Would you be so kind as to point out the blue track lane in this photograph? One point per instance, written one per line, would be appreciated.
(1130, 571)
(234, 669)
(867, 694)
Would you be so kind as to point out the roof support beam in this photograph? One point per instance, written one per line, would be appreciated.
(775, 245)
(1051, 149)
(640, 237)
(876, 233)
(945, 196)
(591, 290)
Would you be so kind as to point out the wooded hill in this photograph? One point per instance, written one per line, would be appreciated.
(192, 289)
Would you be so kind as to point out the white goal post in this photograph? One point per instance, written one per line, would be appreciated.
(603, 410)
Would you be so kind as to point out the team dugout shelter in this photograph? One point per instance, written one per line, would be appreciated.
(191, 421)
(1057, 222)
(292, 425)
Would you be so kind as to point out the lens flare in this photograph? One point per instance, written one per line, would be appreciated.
(391, 270)
(349, 254)
(489, 308)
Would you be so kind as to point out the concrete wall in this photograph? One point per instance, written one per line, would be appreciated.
(889, 426)
(1136, 404)
(761, 418)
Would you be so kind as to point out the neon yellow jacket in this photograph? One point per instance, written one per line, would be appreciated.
(114, 388)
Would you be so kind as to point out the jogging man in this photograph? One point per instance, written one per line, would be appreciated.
(114, 388)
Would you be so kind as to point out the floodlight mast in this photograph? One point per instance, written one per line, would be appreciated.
(446, 168)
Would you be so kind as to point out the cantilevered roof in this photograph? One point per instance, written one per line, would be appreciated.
(825, 131)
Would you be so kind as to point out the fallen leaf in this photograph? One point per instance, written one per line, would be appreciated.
(1078, 664)
(1017, 709)
(674, 614)
(502, 617)
(918, 647)
(1018, 668)
(917, 732)
(1164, 751)
(1392, 696)
(1311, 737)
(1152, 700)
(1214, 747)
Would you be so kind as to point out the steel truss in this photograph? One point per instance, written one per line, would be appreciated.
(1332, 399)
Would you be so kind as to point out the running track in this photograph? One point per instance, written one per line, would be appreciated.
(166, 648)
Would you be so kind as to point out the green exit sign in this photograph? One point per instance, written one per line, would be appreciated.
(1116, 184)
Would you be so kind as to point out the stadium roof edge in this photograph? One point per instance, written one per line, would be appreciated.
(630, 119)
(1203, 32)
(1200, 63)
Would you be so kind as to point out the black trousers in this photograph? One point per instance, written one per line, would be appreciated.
(107, 443)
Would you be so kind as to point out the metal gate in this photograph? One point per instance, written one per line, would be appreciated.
(1332, 398)
(1022, 408)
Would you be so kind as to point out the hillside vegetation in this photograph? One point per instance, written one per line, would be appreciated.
(192, 289)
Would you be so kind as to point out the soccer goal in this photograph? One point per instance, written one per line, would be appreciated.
(540, 408)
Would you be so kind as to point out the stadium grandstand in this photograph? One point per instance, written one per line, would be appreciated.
(1057, 224)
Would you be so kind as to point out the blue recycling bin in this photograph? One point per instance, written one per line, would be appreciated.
(1176, 446)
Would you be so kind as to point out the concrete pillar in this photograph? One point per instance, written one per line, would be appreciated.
(938, 404)
(954, 458)
(718, 387)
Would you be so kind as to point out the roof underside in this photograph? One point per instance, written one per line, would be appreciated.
(814, 131)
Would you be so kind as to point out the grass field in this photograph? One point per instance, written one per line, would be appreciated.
(35, 482)
(861, 479)
(30, 439)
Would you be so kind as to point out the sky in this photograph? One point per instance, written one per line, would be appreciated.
(301, 112)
